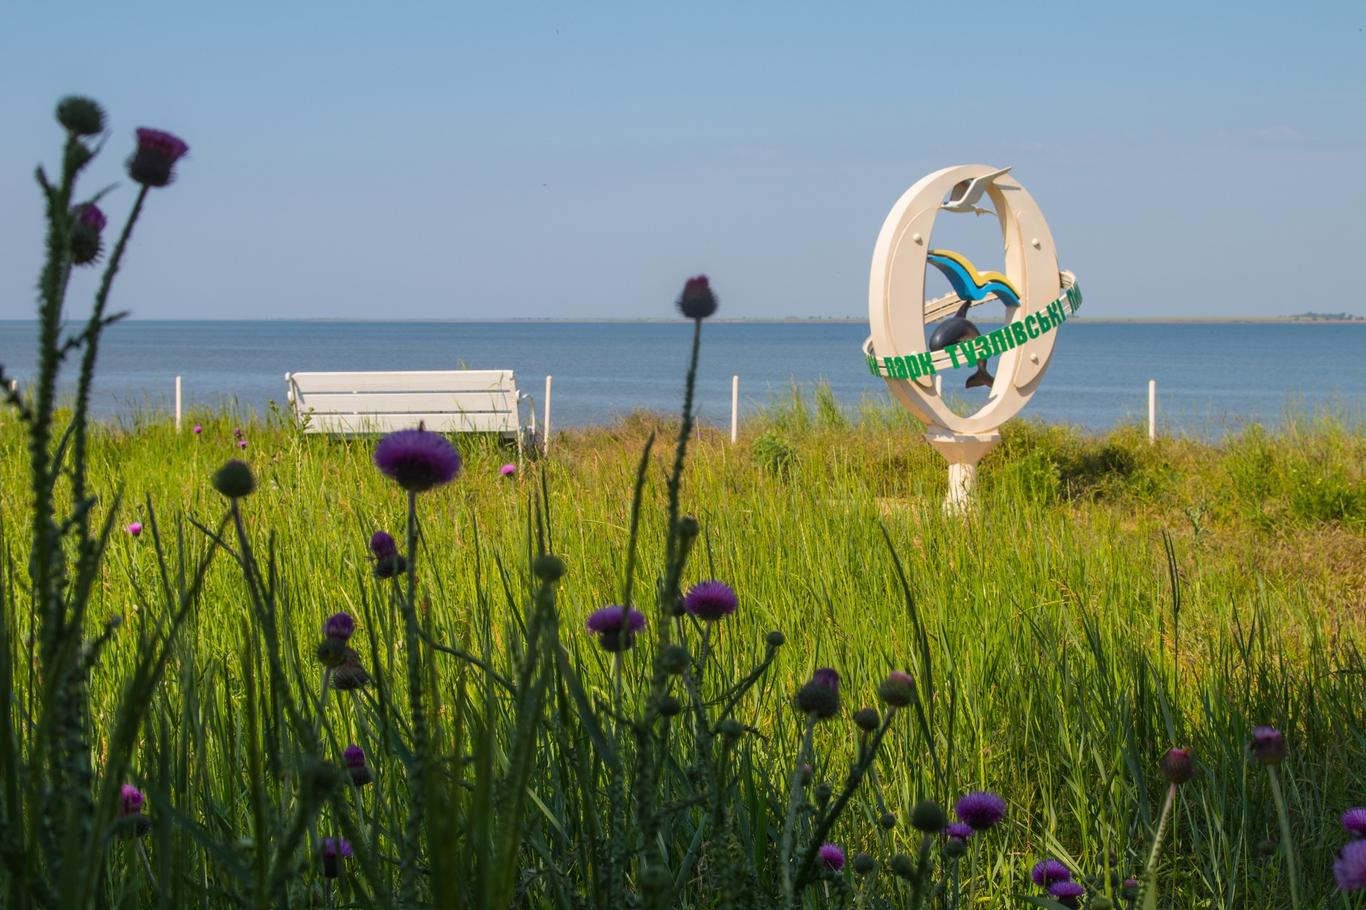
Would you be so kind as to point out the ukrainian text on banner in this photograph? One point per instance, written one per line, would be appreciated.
(967, 353)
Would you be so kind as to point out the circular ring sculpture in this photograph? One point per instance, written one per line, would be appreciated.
(1038, 298)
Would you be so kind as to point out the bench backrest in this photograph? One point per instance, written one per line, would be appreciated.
(445, 401)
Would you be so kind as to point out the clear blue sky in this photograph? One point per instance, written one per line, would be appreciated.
(455, 161)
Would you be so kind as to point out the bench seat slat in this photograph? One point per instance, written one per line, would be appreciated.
(438, 422)
(407, 401)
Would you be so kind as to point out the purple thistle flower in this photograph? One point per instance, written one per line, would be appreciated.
(134, 529)
(1354, 821)
(832, 857)
(156, 155)
(354, 759)
(1350, 868)
(336, 846)
(241, 443)
(198, 429)
(339, 627)
(819, 697)
(616, 627)
(86, 245)
(1177, 766)
(508, 470)
(1048, 871)
(334, 849)
(827, 677)
(710, 600)
(130, 800)
(382, 545)
(1267, 746)
(89, 215)
(1067, 893)
(237, 432)
(980, 809)
(958, 830)
(897, 690)
(417, 460)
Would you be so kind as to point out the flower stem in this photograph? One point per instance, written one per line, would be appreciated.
(147, 866)
(673, 561)
(1286, 843)
(1150, 871)
(417, 767)
(796, 789)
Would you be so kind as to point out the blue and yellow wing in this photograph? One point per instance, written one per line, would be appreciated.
(970, 284)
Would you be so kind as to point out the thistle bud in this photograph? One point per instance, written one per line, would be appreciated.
(864, 864)
(731, 728)
(775, 639)
(674, 659)
(548, 568)
(350, 675)
(234, 480)
(903, 866)
(820, 697)
(332, 652)
(697, 300)
(928, 816)
(88, 222)
(897, 690)
(1267, 746)
(1177, 766)
(354, 759)
(80, 115)
(866, 719)
(670, 706)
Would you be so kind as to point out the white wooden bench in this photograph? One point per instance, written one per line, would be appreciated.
(445, 401)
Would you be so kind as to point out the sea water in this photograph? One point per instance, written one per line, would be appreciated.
(1211, 378)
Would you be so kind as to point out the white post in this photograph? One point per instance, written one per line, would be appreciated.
(14, 385)
(1152, 410)
(177, 404)
(546, 422)
(734, 408)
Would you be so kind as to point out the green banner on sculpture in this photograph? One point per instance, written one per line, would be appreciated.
(967, 353)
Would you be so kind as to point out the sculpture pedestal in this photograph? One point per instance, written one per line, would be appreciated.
(962, 451)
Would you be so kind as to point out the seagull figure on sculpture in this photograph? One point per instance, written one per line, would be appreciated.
(967, 193)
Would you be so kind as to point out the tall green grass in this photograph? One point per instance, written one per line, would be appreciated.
(1061, 670)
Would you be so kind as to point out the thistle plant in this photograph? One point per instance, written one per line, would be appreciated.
(59, 808)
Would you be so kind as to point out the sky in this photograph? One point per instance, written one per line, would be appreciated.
(524, 160)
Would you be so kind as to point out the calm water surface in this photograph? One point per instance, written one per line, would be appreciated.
(1211, 378)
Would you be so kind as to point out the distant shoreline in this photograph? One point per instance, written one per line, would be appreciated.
(790, 320)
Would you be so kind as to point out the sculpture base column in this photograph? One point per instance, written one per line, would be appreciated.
(962, 451)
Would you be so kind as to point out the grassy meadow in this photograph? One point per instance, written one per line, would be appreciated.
(1059, 647)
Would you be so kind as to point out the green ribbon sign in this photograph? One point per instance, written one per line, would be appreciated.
(967, 353)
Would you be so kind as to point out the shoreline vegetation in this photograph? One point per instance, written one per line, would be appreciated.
(1303, 319)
